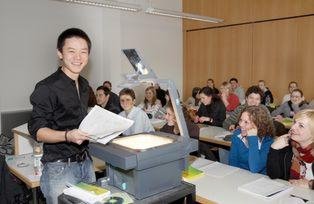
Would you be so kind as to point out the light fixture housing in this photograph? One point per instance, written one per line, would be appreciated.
(107, 4)
(177, 14)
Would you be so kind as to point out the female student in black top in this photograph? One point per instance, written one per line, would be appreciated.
(212, 110)
(291, 156)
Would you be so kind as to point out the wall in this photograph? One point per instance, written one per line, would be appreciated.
(259, 39)
(29, 30)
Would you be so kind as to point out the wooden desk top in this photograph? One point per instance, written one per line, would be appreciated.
(22, 130)
(22, 167)
(210, 133)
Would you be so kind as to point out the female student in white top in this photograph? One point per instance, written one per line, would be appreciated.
(130, 111)
(151, 104)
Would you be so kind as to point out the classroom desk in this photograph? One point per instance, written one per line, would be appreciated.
(185, 190)
(209, 134)
(157, 123)
(22, 167)
(211, 189)
(23, 144)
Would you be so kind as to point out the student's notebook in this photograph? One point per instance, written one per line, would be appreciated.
(87, 192)
(266, 188)
(191, 173)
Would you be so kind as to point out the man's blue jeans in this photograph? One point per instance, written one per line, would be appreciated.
(56, 175)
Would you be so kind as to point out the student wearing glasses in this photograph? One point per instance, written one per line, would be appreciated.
(290, 108)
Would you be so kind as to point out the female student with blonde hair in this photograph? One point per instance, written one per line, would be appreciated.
(291, 156)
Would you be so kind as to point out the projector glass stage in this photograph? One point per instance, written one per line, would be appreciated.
(142, 141)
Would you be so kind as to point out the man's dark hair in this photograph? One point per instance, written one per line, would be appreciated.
(233, 79)
(254, 89)
(127, 91)
(73, 32)
(105, 89)
(107, 82)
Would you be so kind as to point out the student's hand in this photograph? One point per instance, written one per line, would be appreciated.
(196, 119)
(281, 142)
(252, 132)
(77, 136)
(176, 129)
(304, 183)
(278, 118)
(232, 128)
(203, 119)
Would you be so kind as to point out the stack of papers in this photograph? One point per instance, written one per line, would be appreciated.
(265, 188)
(87, 192)
(103, 126)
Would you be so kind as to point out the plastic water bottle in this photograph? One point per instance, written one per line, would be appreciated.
(38, 153)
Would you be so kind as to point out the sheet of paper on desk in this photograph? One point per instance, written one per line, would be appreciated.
(266, 188)
(200, 162)
(222, 135)
(100, 123)
(218, 170)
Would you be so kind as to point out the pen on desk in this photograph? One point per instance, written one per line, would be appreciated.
(274, 193)
(305, 200)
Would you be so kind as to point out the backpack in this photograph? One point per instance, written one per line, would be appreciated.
(12, 190)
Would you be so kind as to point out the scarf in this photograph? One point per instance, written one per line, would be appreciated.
(300, 156)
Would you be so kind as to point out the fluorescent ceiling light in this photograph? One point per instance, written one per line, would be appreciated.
(177, 14)
(107, 4)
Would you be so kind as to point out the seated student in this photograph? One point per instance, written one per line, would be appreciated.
(211, 84)
(151, 104)
(230, 100)
(212, 111)
(253, 97)
(104, 100)
(267, 96)
(194, 100)
(172, 127)
(114, 97)
(290, 108)
(141, 120)
(237, 89)
(160, 94)
(292, 85)
(251, 142)
(291, 156)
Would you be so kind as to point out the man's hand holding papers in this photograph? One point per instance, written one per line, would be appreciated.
(103, 126)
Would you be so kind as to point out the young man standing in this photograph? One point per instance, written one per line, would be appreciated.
(59, 105)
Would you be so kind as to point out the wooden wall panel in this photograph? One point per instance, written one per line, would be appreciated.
(270, 9)
(233, 54)
(199, 61)
(305, 57)
(219, 54)
(275, 54)
(244, 11)
(232, 11)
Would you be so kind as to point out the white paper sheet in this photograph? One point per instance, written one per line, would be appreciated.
(102, 125)
(218, 170)
(266, 188)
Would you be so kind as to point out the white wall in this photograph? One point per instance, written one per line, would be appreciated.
(29, 30)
